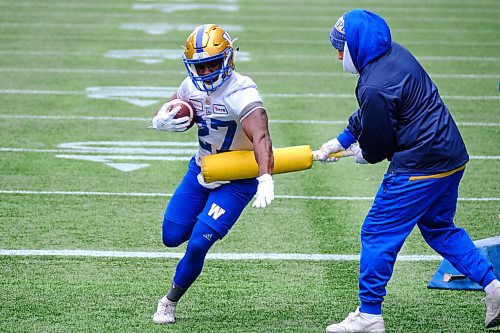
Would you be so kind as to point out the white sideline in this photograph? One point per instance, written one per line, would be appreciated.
(210, 256)
(152, 194)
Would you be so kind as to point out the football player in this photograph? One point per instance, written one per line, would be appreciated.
(230, 115)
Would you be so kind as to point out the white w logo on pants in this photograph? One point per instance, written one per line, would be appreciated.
(215, 211)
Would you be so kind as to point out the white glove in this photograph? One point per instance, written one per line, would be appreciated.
(326, 149)
(212, 185)
(265, 191)
(358, 154)
(165, 121)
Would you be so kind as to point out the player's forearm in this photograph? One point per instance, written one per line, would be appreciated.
(256, 129)
(263, 152)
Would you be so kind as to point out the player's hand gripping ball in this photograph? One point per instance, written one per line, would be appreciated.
(186, 110)
(176, 115)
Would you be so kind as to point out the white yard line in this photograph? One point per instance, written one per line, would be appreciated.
(135, 153)
(267, 56)
(330, 95)
(273, 121)
(490, 157)
(91, 118)
(98, 71)
(325, 29)
(87, 193)
(183, 73)
(261, 12)
(40, 92)
(299, 42)
(275, 95)
(290, 5)
(210, 256)
(458, 58)
(142, 194)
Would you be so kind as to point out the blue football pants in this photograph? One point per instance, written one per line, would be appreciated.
(202, 216)
(400, 204)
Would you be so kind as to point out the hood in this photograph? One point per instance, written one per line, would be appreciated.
(367, 35)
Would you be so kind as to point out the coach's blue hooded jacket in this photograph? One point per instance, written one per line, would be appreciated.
(401, 116)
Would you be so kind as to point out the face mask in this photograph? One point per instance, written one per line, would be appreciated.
(347, 61)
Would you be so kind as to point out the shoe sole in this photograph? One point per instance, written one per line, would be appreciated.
(381, 330)
(494, 322)
(163, 322)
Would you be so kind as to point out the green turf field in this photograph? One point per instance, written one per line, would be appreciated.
(79, 81)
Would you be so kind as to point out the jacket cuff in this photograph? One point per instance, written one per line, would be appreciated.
(346, 138)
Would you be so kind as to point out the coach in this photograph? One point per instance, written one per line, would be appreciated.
(402, 118)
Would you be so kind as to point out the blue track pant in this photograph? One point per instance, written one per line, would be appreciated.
(402, 202)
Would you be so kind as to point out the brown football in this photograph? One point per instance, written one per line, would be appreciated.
(186, 110)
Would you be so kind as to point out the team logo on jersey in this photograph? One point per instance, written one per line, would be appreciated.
(216, 211)
(197, 105)
(219, 109)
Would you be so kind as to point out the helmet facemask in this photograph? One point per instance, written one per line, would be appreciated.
(209, 82)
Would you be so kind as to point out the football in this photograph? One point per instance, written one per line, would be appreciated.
(186, 110)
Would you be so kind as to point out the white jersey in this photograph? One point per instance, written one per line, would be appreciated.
(219, 114)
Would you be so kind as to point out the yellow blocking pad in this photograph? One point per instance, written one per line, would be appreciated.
(241, 164)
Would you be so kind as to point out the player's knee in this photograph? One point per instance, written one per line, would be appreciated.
(174, 234)
(170, 240)
(198, 246)
(201, 240)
